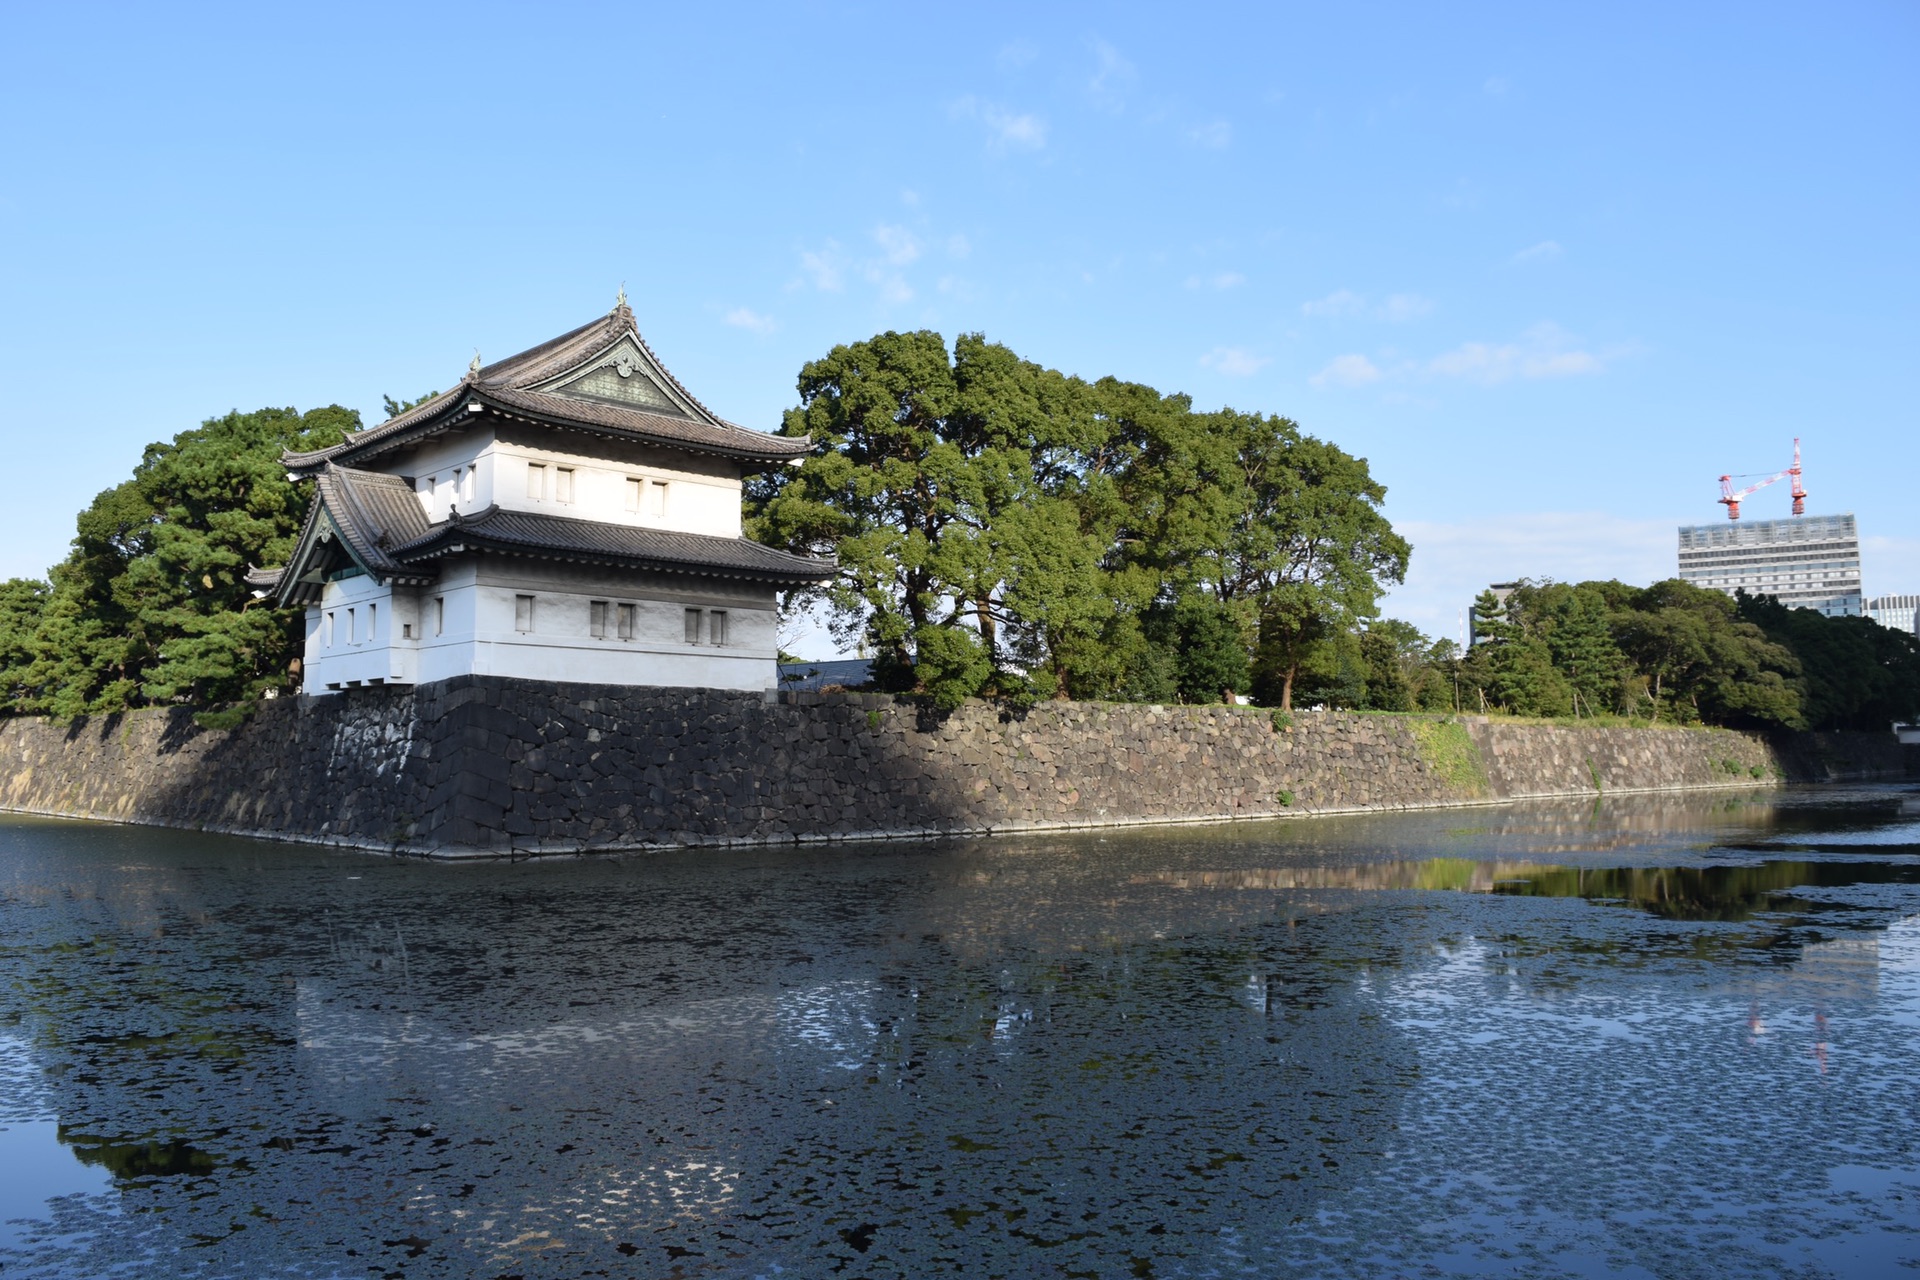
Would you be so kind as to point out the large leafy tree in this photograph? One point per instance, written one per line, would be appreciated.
(1854, 673)
(1309, 546)
(150, 605)
(1702, 662)
(1003, 525)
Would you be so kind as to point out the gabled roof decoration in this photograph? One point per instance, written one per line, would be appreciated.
(602, 379)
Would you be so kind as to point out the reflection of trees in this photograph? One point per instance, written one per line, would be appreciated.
(129, 1160)
(901, 1060)
(1724, 893)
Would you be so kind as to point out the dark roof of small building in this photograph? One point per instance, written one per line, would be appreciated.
(551, 384)
(811, 677)
(382, 528)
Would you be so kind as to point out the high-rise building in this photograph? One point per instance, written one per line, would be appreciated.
(1897, 613)
(1808, 562)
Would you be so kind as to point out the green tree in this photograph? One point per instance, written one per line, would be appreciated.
(23, 604)
(1045, 516)
(150, 604)
(1701, 662)
(1854, 673)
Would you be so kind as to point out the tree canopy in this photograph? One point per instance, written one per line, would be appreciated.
(1668, 653)
(1007, 528)
(150, 605)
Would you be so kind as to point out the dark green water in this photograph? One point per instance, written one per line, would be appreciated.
(1653, 1037)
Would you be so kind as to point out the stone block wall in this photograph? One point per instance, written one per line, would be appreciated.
(489, 765)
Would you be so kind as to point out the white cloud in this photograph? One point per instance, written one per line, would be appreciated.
(1235, 362)
(1341, 302)
(1215, 136)
(1544, 351)
(1545, 251)
(1015, 55)
(825, 267)
(1402, 307)
(745, 318)
(1398, 308)
(1005, 127)
(899, 244)
(910, 198)
(1113, 76)
(1223, 280)
(1347, 371)
(1453, 562)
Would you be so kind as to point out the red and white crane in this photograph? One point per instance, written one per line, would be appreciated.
(1731, 496)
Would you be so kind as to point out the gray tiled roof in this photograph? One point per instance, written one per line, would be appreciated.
(508, 385)
(561, 538)
(374, 513)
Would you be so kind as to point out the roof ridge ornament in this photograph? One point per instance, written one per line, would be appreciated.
(473, 366)
(620, 303)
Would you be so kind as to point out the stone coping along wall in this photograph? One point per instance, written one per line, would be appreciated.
(487, 765)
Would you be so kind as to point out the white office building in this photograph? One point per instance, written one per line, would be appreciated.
(1897, 613)
(1806, 562)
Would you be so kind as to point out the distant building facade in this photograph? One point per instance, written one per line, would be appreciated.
(570, 513)
(1501, 590)
(1897, 613)
(1808, 562)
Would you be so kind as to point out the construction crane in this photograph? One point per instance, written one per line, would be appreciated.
(1732, 497)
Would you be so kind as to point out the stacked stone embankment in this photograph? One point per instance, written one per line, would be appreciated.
(488, 765)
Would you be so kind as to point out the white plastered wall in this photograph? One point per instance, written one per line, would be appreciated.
(467, 623)
(360, 633)
(472, 469)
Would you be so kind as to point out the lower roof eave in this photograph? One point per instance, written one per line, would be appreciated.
(621, 562)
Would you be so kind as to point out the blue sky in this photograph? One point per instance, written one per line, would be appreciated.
(1551, 270)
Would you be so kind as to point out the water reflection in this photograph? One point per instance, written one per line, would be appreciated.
(1350, 1047)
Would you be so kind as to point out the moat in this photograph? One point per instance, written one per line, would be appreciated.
(1645, 1036)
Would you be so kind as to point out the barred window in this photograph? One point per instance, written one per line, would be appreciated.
(693, 626)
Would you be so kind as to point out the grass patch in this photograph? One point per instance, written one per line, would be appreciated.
(228, 717)
(1450, 752)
